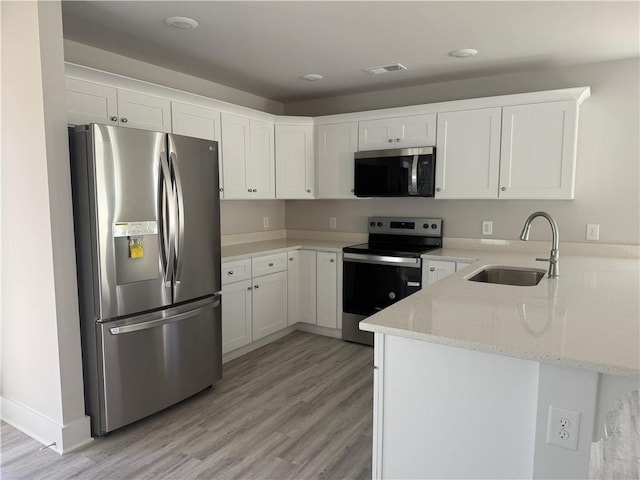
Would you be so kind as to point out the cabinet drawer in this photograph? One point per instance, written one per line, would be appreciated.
(236, 271)
(269, 264)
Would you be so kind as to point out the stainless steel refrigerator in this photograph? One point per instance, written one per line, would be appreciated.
(147, 225)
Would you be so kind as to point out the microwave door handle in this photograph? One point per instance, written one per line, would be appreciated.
(413, 185)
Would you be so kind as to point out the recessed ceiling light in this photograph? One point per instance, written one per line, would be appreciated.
(312, 77)
(395, 67)
(184, 23)
(463, 53)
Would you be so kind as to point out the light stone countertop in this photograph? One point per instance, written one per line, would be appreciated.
(243, 251)
(587, 318)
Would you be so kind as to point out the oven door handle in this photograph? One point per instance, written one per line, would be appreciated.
(383, 260)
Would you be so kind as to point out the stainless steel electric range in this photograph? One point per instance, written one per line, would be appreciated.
(385, 270)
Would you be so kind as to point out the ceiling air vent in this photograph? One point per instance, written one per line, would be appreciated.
(396, 67)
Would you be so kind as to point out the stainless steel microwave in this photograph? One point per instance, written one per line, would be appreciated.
(405, 172)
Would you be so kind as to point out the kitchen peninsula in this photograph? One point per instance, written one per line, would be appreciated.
(466, 372)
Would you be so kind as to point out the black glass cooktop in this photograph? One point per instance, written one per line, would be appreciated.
(389, 249)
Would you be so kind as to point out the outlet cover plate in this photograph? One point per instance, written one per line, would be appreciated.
(563, 428)
(593, 231)
(487, 227)
(332, 222)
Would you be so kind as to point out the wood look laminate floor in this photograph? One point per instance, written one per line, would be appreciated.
(298, 408)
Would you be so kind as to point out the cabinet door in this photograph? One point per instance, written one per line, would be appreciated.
(261, 164)
(376, 134)
(435, 270)
(327, 290)
(198, 122)
(336, 146)
(415, 131)
(293, 287)
(91, 103)
(461, 265)
(468, 154)
(307, 286)
(294, 161)
(144, 111)
(236, 315)
(236, 147)
(538, 151)
(269, 304)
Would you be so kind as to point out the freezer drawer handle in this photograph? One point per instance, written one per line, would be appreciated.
(162, 321)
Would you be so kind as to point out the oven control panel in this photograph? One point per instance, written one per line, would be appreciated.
(430, 227)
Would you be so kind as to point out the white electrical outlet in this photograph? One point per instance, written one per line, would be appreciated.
(563, 428)
(487, 227)
(593, 231)
(332, 222)
(265, 222)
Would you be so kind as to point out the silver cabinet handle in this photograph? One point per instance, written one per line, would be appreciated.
(249, 190)
(432, 269)
(503, 189)
(331, 260)
(391, 140)
(271, 264)
(124, 120)
(255, 190)
(397, 139)
(221, 189)
(230, 272)
(291, 259)
(249, 288)
(308, 191)
(256, 286)
(114, 119)
(438, 189)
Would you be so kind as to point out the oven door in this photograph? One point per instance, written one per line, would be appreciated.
(371, 283)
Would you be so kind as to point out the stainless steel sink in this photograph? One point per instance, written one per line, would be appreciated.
(522, 277)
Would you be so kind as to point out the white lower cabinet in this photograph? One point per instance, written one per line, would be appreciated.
(435, 270)
(327, 289)
(236, 315)
(302, 287)
(269, 304)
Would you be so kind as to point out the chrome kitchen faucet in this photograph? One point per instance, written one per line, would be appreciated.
(554, 258)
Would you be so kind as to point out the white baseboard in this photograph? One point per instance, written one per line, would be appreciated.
(327, 332)
(45, 430)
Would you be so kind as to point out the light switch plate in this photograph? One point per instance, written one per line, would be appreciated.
(487, 227)
(332, 222)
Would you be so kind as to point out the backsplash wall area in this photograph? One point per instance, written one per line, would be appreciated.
(247, 216)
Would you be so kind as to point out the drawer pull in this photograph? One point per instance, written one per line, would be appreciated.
(271, 264)
(230, 272)
(256, 286)
(432, 269)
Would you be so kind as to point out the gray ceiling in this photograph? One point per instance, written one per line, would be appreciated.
(264, 47)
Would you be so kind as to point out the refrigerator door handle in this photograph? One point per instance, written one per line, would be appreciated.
(179, 200)
(167, 214)
(163, 321)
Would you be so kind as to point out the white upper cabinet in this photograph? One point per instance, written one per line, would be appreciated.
(539, 151)
(294, 161)
(399, 132)
(261, 164)
(468, 153)
(336, 145)
(144, 111)
(194, 121)
(247, 150)
(198, 122)
(91, 103)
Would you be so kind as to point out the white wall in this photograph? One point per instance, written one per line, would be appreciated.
(41, 357)
(608, 166)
